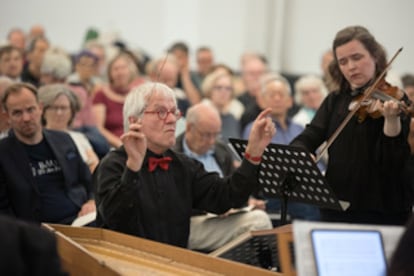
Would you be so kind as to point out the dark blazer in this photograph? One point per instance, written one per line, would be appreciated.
(19, 195)
(222, 154)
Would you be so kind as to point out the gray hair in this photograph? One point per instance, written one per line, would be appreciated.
(49, 93)
(138, 98)
(56, 64)
(273, 77)
(306, 81)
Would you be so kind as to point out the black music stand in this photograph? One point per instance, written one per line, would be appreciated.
(288, 172)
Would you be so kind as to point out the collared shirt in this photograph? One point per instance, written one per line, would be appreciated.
(207, 159)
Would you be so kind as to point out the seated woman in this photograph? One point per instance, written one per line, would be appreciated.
(108, 102)
(218, 89)
(60, 105)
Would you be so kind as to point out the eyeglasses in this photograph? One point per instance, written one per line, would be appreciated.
(57, 108)
(208, 135)
(224, 88)
(163, 113)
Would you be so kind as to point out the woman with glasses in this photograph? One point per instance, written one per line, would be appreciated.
(60, 105)
(218, 90)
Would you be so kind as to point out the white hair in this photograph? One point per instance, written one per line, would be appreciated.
(274, 77)
(306, 81)
(138, 98)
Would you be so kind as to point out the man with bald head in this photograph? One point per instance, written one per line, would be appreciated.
(201, 141)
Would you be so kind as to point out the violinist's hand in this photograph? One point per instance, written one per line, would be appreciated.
(135, 144)
(390, 109)
(392, 123)
(261, 134)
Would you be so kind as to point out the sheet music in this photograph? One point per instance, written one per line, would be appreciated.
(304, 259)
(84, 220)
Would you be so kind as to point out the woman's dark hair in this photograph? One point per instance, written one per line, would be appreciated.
(368, 41)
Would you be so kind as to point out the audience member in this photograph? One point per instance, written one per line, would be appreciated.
(60, 105)
(277, 96)
(326, 60)
(219, 91)
(42, 176)
(86, 64)
(56, 66)
(181, 52)
(108, 101)
(252, 69)
(4, 123)
(99, 50)
(165, 70)
(200, 142)
(205, 63)
(309, 94)
(310, 91)
(34, 56)
(17, 38)
(152, 198)
(11, 62)
(408, 85)
(36, 30)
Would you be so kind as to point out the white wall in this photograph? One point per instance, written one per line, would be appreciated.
(291, 33)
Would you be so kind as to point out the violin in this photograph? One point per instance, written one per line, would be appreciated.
(383, 92)
(369, 94)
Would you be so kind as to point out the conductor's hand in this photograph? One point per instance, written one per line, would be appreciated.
(135, 144)
(261, 134)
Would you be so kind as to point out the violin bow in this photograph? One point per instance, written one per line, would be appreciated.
(367, 93)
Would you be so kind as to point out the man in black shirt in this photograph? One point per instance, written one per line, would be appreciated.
(42, 175)
(146, 189)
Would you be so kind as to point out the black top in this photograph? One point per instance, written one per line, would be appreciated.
(27, 76)
(364, 166)
(20, 195)
(158, 205)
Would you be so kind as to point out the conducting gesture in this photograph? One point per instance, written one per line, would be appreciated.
(135, 144)
(260, 136)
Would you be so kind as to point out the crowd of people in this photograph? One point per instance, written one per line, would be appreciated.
(144, 141)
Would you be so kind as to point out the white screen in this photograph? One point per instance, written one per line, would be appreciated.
(348, 252)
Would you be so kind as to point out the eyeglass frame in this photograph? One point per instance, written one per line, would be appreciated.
(57, 108)
(207, 135)
(177, 113)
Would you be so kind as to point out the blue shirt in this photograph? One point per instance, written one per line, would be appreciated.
(206, 159)
(282, 136)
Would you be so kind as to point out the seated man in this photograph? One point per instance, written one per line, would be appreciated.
(42, 175)
(200, 142)
(146, 189)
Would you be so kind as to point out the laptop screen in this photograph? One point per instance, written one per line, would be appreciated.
(348, 252)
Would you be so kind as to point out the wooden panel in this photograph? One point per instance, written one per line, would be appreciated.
(94, 251)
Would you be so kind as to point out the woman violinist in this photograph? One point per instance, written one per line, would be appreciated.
(367, 158)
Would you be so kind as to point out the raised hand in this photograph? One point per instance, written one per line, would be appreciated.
(135, 144)
(261, 134)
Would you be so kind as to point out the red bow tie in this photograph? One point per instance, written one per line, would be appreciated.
(163, 162)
